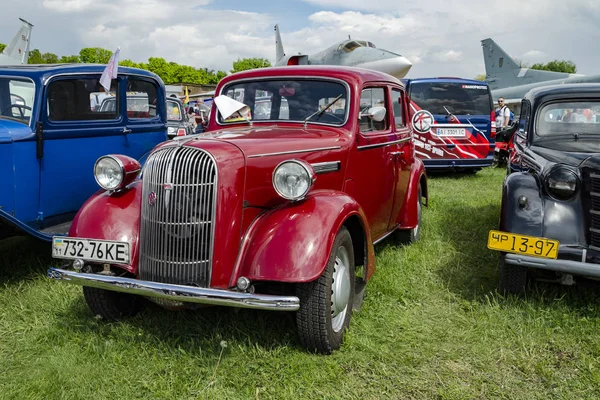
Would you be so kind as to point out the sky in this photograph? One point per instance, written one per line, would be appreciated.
(440, 37)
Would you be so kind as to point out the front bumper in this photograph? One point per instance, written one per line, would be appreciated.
(189, 294)
(558, 265)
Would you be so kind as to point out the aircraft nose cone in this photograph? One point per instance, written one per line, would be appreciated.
(397, 66)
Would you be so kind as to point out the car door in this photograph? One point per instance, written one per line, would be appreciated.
(403, 151)
(75, 134)
(146, 116)
(373, 162)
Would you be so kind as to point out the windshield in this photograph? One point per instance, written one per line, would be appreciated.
(575, 119)
(16, 99)
(289, 100)
(458, 98)
(173, 111)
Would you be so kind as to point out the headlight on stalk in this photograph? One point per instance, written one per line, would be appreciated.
(562, 183)
(114, 172)
(293, 179)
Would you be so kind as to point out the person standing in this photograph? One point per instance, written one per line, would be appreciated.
(502, 114)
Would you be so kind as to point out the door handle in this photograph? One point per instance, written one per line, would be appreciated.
(125, 130)
(396, 154)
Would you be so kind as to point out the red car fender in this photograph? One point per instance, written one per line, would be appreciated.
(112, 217)
(408, 217)
(292, 243)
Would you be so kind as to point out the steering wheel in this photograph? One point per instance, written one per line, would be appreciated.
(21, 108)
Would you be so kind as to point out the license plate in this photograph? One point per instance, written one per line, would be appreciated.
(107, 251)
(451, 132)
(520, 244)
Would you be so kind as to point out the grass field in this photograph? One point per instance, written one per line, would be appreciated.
(432, 327)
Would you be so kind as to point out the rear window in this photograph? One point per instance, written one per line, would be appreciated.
(457, 98)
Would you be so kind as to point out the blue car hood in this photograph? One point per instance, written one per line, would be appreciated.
(12, 131)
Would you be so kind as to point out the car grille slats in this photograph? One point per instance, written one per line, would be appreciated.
(178, 213)
(595, 209)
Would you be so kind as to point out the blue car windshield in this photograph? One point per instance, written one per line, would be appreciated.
(569, 118)
(290, 99)
(16, 99)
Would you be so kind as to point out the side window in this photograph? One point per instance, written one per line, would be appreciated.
(142, 98)
(81, 100)
(524, 118)
(397, 104)
(372, 97)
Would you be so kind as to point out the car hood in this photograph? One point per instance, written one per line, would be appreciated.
(572, 155)
(11, 131)
(260, 141)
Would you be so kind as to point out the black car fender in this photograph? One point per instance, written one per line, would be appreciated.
(522, 205)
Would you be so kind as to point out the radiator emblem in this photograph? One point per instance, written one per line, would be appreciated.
(152, 198)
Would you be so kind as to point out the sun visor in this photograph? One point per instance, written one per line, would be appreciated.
(228, 106)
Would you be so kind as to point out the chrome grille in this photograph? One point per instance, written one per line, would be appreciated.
(178, 216)
(595, 209)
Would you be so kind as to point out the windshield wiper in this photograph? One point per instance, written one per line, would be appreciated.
(318, 113)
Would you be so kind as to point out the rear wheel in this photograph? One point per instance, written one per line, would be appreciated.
(112, 305)
(513, 278)
(326, 303)
(412, 235)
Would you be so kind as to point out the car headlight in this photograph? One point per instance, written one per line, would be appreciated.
(109, 173)
(293, 179)
(562, 183)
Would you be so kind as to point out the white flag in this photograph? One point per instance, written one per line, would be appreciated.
(110, 72)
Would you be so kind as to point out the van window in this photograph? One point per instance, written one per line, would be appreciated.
(370, 98)
(79, 100)
(142, 98)
(457, 98)
(397, 104)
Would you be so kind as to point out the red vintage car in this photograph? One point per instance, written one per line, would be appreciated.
(277, 210)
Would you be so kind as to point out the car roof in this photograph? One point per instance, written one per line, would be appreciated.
(571, 90)
(349, 74)
(445, 79)
(45, 71)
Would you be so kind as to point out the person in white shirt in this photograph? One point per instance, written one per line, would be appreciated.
(503, 115)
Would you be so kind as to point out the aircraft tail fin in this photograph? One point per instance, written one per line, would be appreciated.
(279, 53)
(496, 59)
(18, 49)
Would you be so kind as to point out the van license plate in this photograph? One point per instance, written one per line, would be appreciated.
(520, 244)
(451, 132)
(107, 251)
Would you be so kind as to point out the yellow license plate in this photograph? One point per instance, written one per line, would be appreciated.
(520, 244)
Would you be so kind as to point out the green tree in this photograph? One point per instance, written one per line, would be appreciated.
(70, 59)
(557, 66)
(35, 57)
(94, 55)
(243, 64)
(480, 77)
(2, 46)
(50, 58)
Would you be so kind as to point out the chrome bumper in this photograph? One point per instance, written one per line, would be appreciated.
(558, 265)
(189, 294)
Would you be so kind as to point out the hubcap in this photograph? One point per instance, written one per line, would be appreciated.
(340, 289)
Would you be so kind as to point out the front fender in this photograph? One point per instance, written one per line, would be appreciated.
(292, 243)
(527, 220)
(112, 217)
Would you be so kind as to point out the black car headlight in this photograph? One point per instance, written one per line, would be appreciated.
(562, 183)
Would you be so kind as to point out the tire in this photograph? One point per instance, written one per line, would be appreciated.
(513, 278)
(112, 305)
(408, 236)
(326, 303)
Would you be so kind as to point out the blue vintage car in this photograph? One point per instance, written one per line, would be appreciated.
(52, 131)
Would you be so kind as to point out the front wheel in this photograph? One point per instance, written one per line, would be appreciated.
(111, 305)
(326, 303)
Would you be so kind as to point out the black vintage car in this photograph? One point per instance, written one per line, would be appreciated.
(550, 215)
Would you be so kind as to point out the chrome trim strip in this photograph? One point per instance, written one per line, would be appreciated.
(303, 77)
(281, 153)
(372, 146)
(188, 294)
(564, 266)
(384, 237)
(329, 166)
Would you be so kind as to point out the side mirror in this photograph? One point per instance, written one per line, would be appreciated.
(376, 113)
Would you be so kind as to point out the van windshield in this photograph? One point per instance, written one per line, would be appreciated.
(16, 99)
(459, 98)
